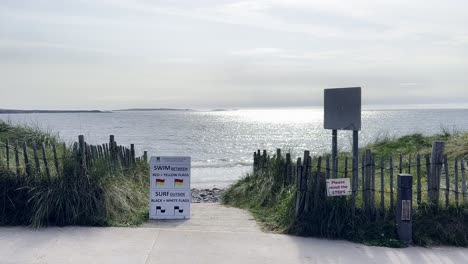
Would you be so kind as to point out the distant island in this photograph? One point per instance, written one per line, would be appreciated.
(151, 109)
(16, 111)
(223, 110)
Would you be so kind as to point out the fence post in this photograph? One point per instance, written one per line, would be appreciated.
(355, 183)
(327, 172)
(404, 215)
(355, 168)
(436, 170)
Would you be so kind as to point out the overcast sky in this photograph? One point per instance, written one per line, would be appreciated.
(230, 54)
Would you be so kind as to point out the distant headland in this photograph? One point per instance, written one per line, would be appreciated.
(151, 109)
(16, 111)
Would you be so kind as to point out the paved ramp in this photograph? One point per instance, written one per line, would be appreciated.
(215, 234)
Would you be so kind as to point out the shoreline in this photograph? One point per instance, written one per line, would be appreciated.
(14, 111)
(208, 195)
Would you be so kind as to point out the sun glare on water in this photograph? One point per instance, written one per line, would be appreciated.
(278, 116)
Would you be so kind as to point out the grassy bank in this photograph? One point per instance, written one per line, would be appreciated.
(273, 203)
(104, 196)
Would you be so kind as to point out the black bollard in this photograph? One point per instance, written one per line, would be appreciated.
(404, 215)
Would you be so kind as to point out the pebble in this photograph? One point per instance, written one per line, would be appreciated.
(207, 195)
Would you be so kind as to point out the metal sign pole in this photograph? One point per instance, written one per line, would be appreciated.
(334, 153)
(355, 164)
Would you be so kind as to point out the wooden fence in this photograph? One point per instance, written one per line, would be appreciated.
(433, 173)
(38, 158)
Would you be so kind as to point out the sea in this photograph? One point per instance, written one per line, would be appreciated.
(221, 143)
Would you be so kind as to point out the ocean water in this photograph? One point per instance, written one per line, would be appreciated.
(221, 143)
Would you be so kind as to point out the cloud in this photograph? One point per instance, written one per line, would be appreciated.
(214, 52)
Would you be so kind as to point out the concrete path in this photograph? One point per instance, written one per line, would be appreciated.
(215, 234)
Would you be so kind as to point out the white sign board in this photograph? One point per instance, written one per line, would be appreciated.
(170, 204)
(170, 195)
(338, 187)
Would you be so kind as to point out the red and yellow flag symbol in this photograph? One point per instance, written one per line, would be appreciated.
(160, 181)
(178, 182)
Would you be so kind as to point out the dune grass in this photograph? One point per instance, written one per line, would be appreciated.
(106, 196)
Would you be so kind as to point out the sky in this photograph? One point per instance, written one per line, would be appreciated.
(230, 54)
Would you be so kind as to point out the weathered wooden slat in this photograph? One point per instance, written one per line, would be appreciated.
(372, 188)
(132, 154)
(44, 160)
(447, 182)
(456, 181)
(463, 180)
(390, 167)
(400, 164)
(367, 185)
(299, 190)
(409, 164)
(418, 175)
(82, 156)
(318, 182)
(327, 167)
(36, 157)
(436, 171)
(112, 150)
(288, 169)
(363, 183)
(7, 146)
(17, 162)
(56, 162)
(346, 167)
(309, 187)
(382, 187)
(145, 156)
(26, 160)
(428, 172)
